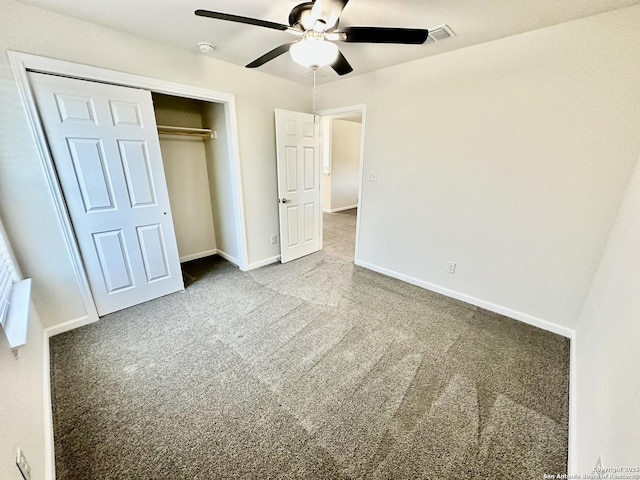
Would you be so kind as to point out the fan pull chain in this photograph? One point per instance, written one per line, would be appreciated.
(314, 94)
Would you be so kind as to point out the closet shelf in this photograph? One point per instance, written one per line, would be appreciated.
(204, 133)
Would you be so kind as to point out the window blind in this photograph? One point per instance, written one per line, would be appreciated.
(8, 276)
(15, 295)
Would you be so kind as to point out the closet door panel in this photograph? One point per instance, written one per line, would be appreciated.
(106, 151)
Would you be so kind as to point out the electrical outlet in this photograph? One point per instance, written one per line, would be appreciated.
(23, 465)
(451, 267)
(372, 176)
(274, 239)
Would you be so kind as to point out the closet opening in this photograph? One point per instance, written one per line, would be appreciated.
(193, 141)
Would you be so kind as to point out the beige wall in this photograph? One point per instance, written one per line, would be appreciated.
(185, 166)
(26, 206)
(221, 179)
(22, 404)
(509, 158)
(608, 352)
(185, 169)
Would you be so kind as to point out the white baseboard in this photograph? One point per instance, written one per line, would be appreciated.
(195, 256)
(69, 325)
(572, 460)
(263, 263)
(340, 209)
(49, 453)
(208, 253)
(523, 317)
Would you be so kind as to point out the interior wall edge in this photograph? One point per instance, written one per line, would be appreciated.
(50, 463)
(230, 258)
(573, 406)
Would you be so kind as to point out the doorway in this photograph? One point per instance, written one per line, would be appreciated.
(343, 133)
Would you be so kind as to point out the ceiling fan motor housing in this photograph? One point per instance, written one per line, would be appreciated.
(299, 15)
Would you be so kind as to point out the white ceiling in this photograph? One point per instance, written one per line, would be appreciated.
(173, 23)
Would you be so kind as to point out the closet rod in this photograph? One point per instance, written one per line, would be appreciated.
(205, 133)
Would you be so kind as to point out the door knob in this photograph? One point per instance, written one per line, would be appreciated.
(284, 200)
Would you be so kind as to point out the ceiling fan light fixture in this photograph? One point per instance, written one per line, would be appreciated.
(313, 51)
(314, 23)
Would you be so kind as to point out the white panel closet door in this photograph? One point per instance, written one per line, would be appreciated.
(106, 151)
(298, 159)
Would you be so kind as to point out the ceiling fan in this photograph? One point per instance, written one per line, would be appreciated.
(316, 25)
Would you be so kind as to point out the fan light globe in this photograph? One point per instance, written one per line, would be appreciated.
(313, 52)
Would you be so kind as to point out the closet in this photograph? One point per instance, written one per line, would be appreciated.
(110, 177)
(193, 157)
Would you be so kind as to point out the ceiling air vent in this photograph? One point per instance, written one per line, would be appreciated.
(440, 33)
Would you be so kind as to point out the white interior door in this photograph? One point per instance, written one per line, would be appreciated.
(298, 158)
(104, 142)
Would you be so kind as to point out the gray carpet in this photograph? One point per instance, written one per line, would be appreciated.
(314, 369)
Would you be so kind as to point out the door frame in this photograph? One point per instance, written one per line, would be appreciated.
(21, 63)
(325, 142)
